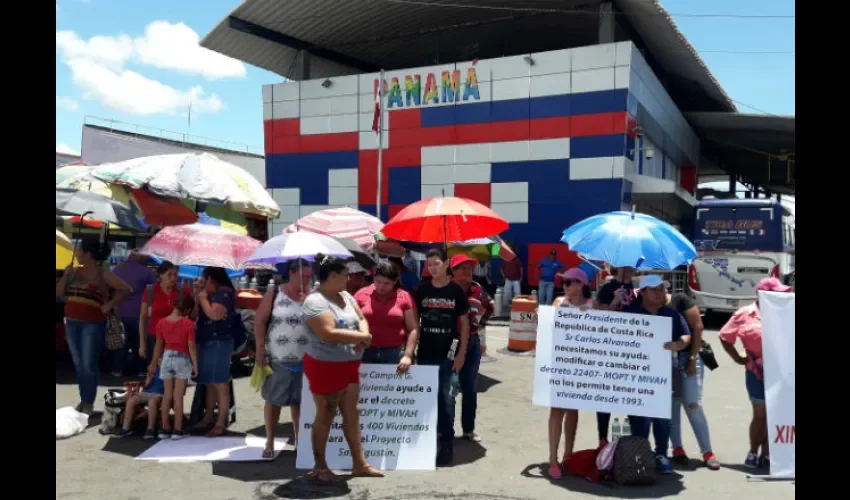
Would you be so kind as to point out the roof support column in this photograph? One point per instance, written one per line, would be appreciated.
(733, 183)
(606, 23)
(304, 64)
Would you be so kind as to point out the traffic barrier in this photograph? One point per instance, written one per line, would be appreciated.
(522, 334)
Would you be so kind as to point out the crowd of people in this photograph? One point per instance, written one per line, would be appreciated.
(322, 326)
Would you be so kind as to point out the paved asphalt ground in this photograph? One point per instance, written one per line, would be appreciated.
(506, 465)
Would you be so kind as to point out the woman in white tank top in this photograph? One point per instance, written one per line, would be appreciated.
(576, 294)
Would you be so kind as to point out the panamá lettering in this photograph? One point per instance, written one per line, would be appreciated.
(409, 91)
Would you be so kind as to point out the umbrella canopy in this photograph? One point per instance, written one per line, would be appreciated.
(482, 249)
(444, 219)
(187, 272)
(201, 245)
(361, 256)
(64, 251)
(85, 203)
(301, 245)
(344, 222)
(627, 239)
(196, 176)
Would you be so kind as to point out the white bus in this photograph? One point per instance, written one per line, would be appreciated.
(739, 242)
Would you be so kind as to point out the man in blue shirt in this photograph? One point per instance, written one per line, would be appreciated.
(546, 271)
(653, 301)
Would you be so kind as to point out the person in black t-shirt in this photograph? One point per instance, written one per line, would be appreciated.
(615, 295)
(443, 308)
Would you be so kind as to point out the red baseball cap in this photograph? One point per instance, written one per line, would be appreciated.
(459, 259)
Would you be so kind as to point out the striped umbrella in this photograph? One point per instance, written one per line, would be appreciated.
(346, 223)
(201, 245)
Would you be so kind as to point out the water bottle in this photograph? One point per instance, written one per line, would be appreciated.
(627, 427)
(616, 429)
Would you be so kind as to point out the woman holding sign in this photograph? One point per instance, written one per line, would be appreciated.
(576, 294)
(338, 335)
(745, 325)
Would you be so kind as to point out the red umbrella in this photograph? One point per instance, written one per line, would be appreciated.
(443, 219)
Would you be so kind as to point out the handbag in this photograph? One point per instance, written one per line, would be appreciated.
(706, 353)
(115, 338)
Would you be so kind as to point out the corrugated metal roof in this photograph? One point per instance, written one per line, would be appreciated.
(394, 35)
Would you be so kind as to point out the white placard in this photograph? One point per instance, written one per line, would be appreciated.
(398, 421)
(779, 354)
(220, 449)
(603, 361)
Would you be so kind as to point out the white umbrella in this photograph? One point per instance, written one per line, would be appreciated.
(301, 245)
(195, 176)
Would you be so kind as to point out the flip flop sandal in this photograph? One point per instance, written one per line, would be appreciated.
(216, 431)
(369, 471)
(268, 454)
(324, 476)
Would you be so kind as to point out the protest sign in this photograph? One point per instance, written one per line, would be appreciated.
(603, 361)
(398, 421)
(780, 380)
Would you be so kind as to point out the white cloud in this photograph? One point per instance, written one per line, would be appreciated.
(108, 51)
(98, 67)
(133, 93)
(67, 103)
(164, 45)
(176, 47)
(64, 149)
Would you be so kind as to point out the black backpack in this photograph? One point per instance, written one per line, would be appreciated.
(634, 462)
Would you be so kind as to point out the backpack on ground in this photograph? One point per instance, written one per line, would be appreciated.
(113, 411)
(634, 462)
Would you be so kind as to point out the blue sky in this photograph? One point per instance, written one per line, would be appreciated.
(138, 62)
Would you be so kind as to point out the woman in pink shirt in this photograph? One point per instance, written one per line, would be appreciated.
(392, 319)
(745, 325)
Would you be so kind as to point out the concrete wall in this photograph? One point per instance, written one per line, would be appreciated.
(105, 146)
(544, 144)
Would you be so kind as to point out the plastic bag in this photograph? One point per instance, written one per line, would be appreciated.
(70, 422)
(258, 376)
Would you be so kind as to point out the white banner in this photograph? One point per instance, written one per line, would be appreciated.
(398, 421)
(603, 361)
(779, 353)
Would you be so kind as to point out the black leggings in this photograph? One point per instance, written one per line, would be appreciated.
(602, 421)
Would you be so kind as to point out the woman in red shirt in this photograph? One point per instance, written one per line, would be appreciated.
(392, 319)
(164, 295)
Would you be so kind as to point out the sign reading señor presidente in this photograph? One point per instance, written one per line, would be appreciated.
(448, 91)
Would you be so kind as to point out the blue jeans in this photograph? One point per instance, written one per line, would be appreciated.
(660, 431)
(85, 341)
(546, 293)
(383, 355)
(469, 384)
(690, 395)
(445, 401)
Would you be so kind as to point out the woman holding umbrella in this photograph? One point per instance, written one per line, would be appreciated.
(91, 293)
(338, 334)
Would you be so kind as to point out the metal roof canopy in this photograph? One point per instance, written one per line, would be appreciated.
(360, 36)
(759, 149)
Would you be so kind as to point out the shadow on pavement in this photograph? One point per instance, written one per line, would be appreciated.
(485, 383)
(760, 473)
(302, 488)
(129, 446)
(283, 467)
(467, 452)
(284, 430)
(665, 486)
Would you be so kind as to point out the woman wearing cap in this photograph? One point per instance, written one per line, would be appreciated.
(745, 325)
(576, 294)
(392, 319)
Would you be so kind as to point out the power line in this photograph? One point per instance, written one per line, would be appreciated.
(423, 3)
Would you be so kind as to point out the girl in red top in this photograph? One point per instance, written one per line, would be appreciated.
(158, 302)
(392, 319)
(177, 355)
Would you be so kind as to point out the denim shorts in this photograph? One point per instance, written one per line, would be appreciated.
(175, 364)
(755, 387)
(214, 361)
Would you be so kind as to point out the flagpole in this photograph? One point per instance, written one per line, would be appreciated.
(380, 141)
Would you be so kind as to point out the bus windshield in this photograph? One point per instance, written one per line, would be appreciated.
(740, 225)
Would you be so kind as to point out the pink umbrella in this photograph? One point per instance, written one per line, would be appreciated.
(342, 222)
(201, 245)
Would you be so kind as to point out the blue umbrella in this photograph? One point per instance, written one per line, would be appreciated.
(627, 239)
(194, 272)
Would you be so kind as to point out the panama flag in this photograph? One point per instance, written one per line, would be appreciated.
(376, 120)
